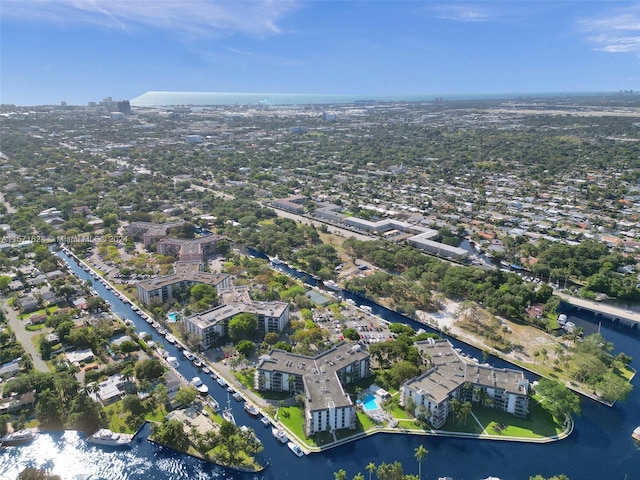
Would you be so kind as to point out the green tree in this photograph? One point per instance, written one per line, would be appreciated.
(161, 394)
(245, 347)
(558, 399)
(351, 334)
(84, 414)
(185, 395)
(371, 467)
(149, 369)
(271, 338)
(172, 434)
(420, 452)
(243, 326)
(202, 292)
(133, 404)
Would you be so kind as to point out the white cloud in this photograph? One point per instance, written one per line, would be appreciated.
(462, 13)
(196, 17)
(615, 32)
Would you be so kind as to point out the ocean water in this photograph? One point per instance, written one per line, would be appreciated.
(160, 99)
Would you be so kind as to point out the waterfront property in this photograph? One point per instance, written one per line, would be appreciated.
(186, 275)
(212, 324)
(320, 379)
(455, 376)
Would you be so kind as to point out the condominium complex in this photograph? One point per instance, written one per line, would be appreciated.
(320, 379)
(455, 376)
(186, 275)
(211, 325)
(150, 233)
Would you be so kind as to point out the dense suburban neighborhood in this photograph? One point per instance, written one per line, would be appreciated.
(236, 233)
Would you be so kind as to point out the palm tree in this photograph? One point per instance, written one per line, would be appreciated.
(340, 475)
(370, 468)
(420, 453)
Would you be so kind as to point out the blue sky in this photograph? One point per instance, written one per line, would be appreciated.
(85, 50)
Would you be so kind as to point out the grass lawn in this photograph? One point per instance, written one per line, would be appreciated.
(116, 417)
(292, 418)
(539, 424)
(50, 310)
(469, 426)
(396, 410)
(246, 377)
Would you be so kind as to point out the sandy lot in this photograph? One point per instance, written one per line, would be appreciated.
(528, 339)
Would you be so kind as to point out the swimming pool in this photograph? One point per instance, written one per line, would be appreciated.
(369, 403)
(172, 316)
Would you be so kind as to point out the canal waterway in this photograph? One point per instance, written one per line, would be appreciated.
(600, 447)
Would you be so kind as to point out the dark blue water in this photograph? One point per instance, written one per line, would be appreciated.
(600, 448)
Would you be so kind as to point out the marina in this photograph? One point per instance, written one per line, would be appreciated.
(597, 449)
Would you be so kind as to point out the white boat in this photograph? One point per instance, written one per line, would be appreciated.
(237, 397)
(331, 285)
(170, 338)
(251, 409)
(636, 434)
(215, 406)
(188, 355)
(279, 435)
(173, 361)
(227, 413)
(206, 370)
(106, 437)
(221, 381)
(295, 449)
(265, 421)
(201, 387)
(19, 436)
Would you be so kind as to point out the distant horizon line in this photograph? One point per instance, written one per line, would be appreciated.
(167, 98)
(164, 98)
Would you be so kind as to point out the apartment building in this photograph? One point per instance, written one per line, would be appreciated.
(320, 379)
(455, 376)
(212, 324)
(186, 275)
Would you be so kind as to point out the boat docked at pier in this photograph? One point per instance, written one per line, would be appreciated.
(213, 403)
(201, 387)
(19, 437)
(279, 435)
(227, 413)
(109, 438)
(295, 449)
(251, 409)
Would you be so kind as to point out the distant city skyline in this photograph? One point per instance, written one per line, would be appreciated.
(82, 51)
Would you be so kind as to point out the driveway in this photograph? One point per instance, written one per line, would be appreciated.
(24, 336)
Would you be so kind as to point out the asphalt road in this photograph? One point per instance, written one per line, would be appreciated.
(24, 336)
(599, 307)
